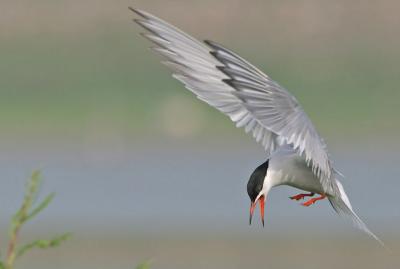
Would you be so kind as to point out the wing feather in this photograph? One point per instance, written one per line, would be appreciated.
(252, 100)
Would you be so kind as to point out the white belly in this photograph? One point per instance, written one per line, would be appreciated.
(286, 167)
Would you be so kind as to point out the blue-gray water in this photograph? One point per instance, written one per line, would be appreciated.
(185, 206)
(174, 186)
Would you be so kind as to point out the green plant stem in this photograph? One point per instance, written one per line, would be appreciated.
(20, 218)
(17, 223)
(11, 253)
(23, 215)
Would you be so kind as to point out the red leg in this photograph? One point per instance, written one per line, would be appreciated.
(301, 196)
(313, 200)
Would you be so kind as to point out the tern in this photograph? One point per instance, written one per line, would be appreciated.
(297, 155)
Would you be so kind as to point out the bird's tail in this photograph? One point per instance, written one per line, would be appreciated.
(343, 207)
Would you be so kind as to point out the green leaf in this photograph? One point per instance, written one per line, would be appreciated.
(31, 190)
(2, 266)
(33, 186)
(43, 244)
(40, 207)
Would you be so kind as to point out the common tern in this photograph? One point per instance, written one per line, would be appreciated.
(297, 155)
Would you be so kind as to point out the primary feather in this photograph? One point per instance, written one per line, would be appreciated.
(249, 97)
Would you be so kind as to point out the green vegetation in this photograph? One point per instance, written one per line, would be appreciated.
(59, 84)
(29, 209)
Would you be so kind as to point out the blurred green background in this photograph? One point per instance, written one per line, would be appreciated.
(83, 98)
(67, 65)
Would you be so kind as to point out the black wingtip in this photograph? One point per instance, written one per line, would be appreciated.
(221, 68)
(134, 10)
(138, 12)
(141, 22)
(212, 44)
(208, 42)
(225, 69)
(229, 81)
(214, 53)
(138, 21)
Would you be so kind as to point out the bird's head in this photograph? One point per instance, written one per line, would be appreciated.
(257, 191)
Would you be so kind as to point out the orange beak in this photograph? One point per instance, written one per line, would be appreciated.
(253, 206)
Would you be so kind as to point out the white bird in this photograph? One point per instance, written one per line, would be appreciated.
(219, 77)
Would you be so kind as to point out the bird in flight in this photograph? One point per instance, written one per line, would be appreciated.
(250, 98)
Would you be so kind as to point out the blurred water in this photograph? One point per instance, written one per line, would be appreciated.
(186, 188)
(185, 206)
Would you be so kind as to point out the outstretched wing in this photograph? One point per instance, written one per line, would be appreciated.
(249, 97)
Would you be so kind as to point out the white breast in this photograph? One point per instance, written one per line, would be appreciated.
(286, 167)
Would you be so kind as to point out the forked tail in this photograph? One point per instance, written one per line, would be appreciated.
(343, 207)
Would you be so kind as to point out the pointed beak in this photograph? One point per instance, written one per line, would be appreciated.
(253, 206)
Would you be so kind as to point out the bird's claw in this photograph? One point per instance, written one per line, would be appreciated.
(301, 196)
(313, 200)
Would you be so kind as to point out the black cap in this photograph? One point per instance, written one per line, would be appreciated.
(256, 181)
